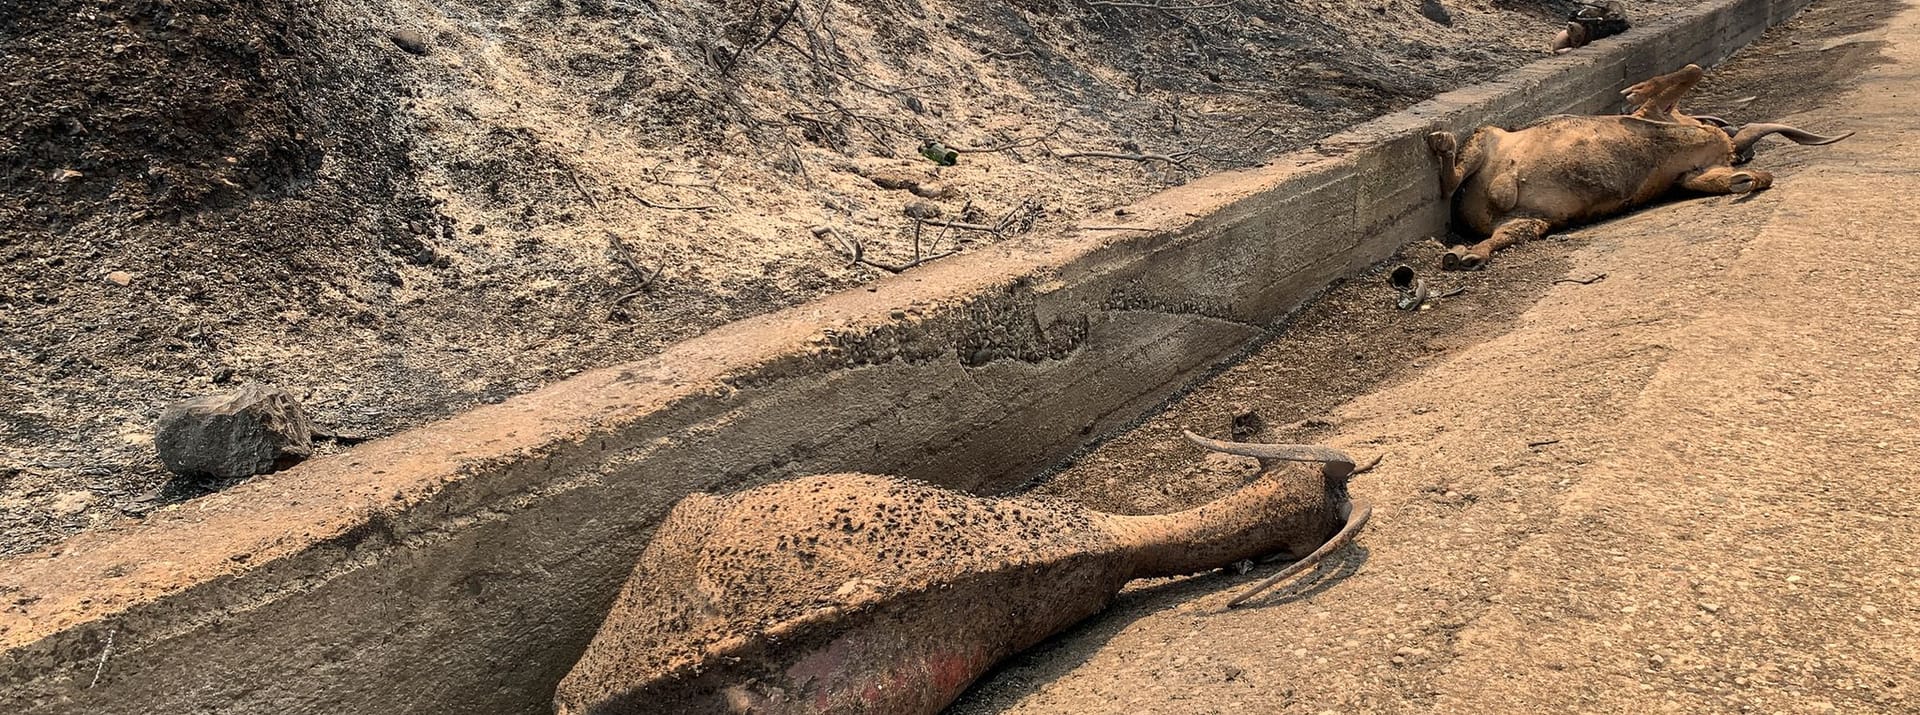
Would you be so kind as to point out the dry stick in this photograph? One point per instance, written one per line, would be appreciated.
(1001, 227)
(1178, 159)
(1016, 144)
(626, 258)
(792, 10)
(582, 187)
(859, 252)
(1169, 8)
(102, 667)
(665, 207)
(620, 247)
(1596, 278)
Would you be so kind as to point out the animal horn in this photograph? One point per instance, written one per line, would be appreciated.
(1338, 463)
(1752, 133)
(1357, 516)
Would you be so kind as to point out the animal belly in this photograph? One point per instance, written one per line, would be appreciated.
(918, 656)
(910, 654)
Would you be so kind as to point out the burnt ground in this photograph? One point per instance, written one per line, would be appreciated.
(398, 209)
(1686, 487)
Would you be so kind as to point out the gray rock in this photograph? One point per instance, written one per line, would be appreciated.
(409, 40)
(254, 430)
(1433, 10)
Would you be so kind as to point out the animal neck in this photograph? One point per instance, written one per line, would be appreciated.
(1278, 511)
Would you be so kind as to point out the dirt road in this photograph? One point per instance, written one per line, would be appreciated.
(1688, 487)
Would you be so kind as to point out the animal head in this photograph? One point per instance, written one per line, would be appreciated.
(1658, 99)
(1591, 22)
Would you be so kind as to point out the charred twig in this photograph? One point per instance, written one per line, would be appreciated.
(779, 25)
(1117, 228)
(582, 187)
(666, 207)
(1016, 144)
(1005, 223)
(1543, 443)
(858, 251)
(1155, 6)
(625, 257)
(1176, 159)
(960, 226)
(1589, 280)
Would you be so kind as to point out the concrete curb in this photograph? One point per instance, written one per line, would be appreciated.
(461, 567)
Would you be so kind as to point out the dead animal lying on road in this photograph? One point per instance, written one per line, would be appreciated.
(1514, 186)
(853, 593)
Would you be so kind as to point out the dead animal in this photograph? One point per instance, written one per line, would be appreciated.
(1591, 22)
(1517, 185)
(853, 593)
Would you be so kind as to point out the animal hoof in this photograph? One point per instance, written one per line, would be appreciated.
(1443, 143)
(1458, 259)
(1742, 182)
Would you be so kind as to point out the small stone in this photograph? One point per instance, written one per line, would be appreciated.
(254, 430)
(1433, 10)
(409, 40)
(1710, 607)
(120, 278)
(73, 502)
(922, 210)
(934, 191)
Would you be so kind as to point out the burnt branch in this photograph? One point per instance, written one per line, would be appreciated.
(1177, 158)
(781, 24)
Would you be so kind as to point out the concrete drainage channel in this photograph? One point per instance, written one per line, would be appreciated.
(462, 567)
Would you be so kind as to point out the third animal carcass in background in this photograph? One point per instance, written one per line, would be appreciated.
(1591, 22)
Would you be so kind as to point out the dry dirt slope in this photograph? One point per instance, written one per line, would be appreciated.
(398, 208)
(1686, 488)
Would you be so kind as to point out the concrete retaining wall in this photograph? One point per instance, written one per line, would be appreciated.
(461, 567)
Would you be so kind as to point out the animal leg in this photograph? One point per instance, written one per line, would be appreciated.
(1455, 164)
(1472, 258)
(1726, 180)
(1658, 98)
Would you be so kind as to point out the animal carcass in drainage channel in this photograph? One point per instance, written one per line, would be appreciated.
(1513, 186)
(852, 593)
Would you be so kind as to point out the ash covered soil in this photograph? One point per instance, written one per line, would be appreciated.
(401, 209)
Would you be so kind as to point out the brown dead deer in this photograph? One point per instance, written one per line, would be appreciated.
(1517, 185)
(853, 593)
